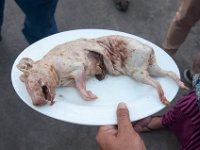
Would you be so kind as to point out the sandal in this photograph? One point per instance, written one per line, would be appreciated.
(187, 76)
(143, 125)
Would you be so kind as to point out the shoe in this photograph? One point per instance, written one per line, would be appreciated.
(187, 76)
(122, 5)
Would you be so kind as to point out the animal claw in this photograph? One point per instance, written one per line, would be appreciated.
(92, 95)
(165, 101)
(183, 86)
(89, 96)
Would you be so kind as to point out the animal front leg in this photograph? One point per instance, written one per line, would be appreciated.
(80, 81)
(143, 76)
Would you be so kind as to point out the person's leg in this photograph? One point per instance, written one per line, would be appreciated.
(196, 65)
(186, 16)
(2, 2)
(39, 18)
(188, 73)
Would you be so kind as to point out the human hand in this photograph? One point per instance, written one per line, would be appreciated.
(124, 137)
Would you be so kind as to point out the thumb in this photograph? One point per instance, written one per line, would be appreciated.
(123, 120)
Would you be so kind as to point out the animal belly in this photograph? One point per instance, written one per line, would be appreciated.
(64, 81)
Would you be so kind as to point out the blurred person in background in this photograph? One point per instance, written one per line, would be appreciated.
(122, 5)
(186, 17)
(183, 119)
(39, 18)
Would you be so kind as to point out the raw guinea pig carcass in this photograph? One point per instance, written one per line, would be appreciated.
(72, 63)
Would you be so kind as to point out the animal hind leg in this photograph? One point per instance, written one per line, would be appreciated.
(143, 76)
(155, 70)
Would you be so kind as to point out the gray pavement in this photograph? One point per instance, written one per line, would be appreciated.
(22, 128)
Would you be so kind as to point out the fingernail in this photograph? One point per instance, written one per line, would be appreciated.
(122, 105)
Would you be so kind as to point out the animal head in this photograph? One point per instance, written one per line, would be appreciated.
(40, 79)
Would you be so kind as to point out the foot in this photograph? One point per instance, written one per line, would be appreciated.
(122, 5)
(142, 125)
(148, 124)
(187, 76)
(170, 51)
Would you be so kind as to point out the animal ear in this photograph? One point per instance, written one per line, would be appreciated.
(25, 64)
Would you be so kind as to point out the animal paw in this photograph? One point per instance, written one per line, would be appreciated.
(183, 86)
(164, 101)
(89, 96)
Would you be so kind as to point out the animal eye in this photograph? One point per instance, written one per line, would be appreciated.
(45, 91)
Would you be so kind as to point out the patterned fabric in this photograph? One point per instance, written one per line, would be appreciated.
(184, 120)
(196, 85)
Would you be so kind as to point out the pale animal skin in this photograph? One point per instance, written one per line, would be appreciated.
(72, 63)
